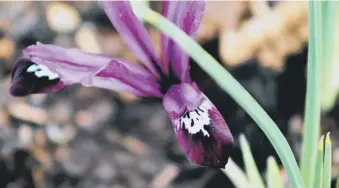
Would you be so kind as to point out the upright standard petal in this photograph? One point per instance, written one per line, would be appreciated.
(199, 127)
(72, 66)
(187, 15)
(133, 32)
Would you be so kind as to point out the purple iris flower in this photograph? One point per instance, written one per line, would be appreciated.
(199, 127)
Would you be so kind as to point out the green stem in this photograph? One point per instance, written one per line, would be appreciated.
(312, 109)
(225, 80)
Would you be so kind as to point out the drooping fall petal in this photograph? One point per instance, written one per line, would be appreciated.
(204, 136)
(199, 127)
(133, 32)
(73, 66)
(29, 78)
(187, 15)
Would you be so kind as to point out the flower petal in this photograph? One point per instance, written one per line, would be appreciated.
(73, 66)
(187, 15)
(116, 69)
(201, 131)
(29, 78)
(133, 32)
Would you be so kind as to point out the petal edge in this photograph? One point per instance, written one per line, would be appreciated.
(133, 32)
(73, 66)
(187, 15)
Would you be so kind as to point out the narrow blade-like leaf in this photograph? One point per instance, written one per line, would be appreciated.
(274, 179)
(319, 168)
(327, 162)
(312, 107)
(252, 171)
(235, 174)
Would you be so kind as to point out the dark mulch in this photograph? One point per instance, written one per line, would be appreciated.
(87, 137)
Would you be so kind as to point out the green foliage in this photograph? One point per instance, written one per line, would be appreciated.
(235, 174)
(273, 177)
(319, 168)
(327, 162)
(322, 178)
(253, 174)
(319, 69)
(330, 48)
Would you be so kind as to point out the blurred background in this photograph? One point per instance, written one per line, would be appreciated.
(88, 137)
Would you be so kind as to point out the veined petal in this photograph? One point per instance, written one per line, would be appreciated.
(77, 56)
(116, 69)
(187, 15)
(73, 66)
(200, 129)
(133, 32)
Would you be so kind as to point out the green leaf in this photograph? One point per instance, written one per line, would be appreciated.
(235, 174)
(330, 48)
(312, 108)
(319, 168)
(253, 174)
(274, 179)
(225, 80)
(327, 162)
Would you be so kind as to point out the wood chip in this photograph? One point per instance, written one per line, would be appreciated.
(40, 138)
(26, 112)
(7, 47)
(25, 134)
(4, 119)
(135, 146)
(42, 156)
(165, 177)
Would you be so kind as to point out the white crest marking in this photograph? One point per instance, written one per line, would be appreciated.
(199, 117)
(42, 70)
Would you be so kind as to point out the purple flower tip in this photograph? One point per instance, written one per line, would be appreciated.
(29, 78)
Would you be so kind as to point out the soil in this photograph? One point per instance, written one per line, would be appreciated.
(88, 137)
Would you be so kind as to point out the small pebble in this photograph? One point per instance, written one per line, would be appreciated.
(62, 17)
(25, 134)
(165, 177)
(58, 134)
(87, 40)
(105, 171)
(26, 112)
